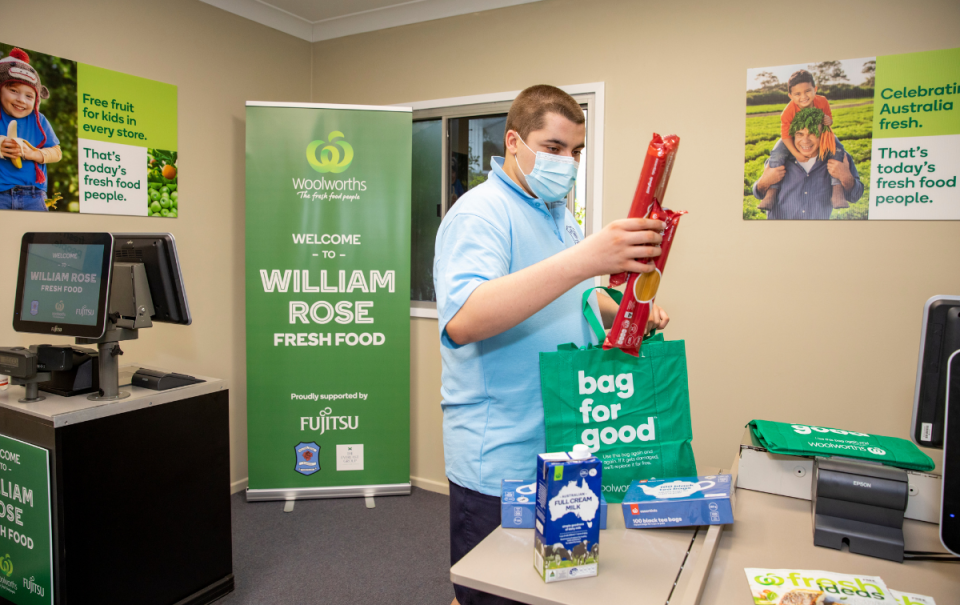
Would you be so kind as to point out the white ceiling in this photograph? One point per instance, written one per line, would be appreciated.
(315, 20)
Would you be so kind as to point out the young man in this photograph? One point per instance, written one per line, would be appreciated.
(510, 270)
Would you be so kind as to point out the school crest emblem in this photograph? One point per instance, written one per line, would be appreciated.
(308, 458)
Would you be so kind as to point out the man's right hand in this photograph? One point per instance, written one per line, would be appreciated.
(620, 246)
(770, 176)
(502, 303)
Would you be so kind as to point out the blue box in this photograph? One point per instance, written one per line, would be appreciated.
(567, 524)
(678, 502)
(518, 505)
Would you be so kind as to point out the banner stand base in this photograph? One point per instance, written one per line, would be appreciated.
(313, 493)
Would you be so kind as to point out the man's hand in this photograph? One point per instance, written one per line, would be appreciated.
(618, 246)
(502, 303)
(841, 171)
(770, 176)
(658, 319)
(827, 120)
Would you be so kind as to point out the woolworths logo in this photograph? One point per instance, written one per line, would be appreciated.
(6, 565)
(327, 158)
(843, 588)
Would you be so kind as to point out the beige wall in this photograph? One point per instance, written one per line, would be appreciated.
(815, 323)
(218, 61)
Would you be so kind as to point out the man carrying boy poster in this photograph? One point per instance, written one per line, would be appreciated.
(510, 270)
(806, 187)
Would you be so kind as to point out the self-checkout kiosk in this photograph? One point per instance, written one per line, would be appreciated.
(842, 515)
(937, 391)
(137, 471)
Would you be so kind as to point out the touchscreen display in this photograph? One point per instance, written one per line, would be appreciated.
(62, 283)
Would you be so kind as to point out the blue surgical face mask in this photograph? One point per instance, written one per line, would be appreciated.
(552, 176)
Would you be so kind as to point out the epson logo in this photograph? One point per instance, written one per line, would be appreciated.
(861, 484)
(56, 329)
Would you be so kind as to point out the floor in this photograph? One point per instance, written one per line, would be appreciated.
(337, 551)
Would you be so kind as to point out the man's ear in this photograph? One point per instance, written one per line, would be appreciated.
(510, 142)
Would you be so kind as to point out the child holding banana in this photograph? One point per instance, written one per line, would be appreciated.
(27, 144)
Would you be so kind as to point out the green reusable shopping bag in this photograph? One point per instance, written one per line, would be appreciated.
(806, 440)
(633, 413)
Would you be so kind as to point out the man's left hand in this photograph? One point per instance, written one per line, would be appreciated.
(841, 171)
(658, 319)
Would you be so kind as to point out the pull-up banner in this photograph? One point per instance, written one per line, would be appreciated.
(328, 300)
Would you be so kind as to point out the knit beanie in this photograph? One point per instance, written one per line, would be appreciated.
(16, 69)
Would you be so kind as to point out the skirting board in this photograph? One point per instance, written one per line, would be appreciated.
(312, 493)
(430, 485)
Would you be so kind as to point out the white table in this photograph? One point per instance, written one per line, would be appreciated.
(692, 566)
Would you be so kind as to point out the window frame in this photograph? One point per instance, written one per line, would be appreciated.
(591, 95)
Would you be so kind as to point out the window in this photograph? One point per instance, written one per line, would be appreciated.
(453, 143)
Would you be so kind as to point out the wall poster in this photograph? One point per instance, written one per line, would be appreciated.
(79, 138)
(875, 138)
(328, 300)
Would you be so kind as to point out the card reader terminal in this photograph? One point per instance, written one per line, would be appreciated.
(161, 381)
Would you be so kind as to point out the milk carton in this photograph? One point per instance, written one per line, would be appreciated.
(567, 524)
(678, 502)
(518, 505)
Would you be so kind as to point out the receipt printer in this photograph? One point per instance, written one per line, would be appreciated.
(861, 504)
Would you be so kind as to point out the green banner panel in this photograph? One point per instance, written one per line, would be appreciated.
(916, 93)
(120, 108)
(26, 544)
(328, 296)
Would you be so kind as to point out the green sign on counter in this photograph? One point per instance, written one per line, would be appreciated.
(328, 299)
(26, 544)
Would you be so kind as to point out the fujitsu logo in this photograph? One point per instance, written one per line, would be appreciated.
(325, 421)
(56, 329)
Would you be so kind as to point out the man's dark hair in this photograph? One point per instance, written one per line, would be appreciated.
(528, 111)
(799, 77)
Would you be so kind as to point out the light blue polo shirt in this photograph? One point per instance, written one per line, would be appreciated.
(492, 407)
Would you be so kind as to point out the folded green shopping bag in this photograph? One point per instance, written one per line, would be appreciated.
(806, 440)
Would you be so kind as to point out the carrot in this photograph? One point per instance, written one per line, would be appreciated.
(828, 143)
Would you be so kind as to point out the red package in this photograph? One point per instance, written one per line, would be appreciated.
(631, 322)
(653, 182)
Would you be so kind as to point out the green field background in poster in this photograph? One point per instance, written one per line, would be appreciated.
(26, 546)
(114, 107)
(328, 349)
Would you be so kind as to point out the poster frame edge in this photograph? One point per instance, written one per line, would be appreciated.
(329, 106)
